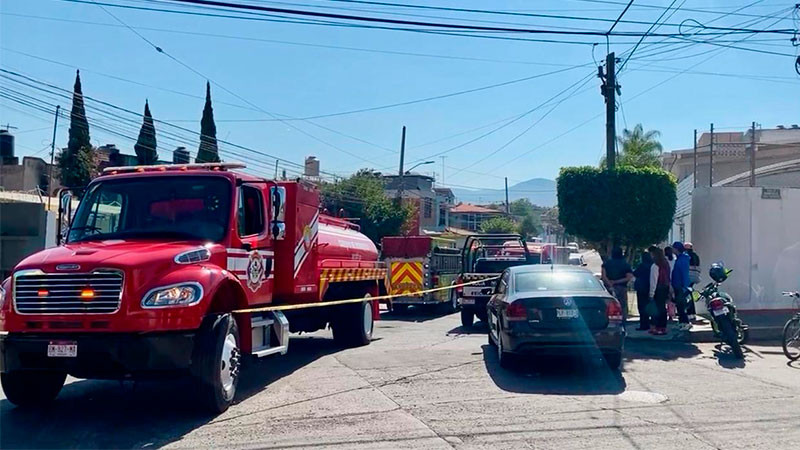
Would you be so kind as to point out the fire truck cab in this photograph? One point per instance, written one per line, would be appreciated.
(161, 271)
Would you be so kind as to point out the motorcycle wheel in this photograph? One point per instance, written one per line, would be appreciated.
(742, 333)
(730, 337)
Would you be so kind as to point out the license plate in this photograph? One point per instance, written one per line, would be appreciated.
(473, 291)
(62, 349)
(719, 312)
(566, 313)
(467, 301)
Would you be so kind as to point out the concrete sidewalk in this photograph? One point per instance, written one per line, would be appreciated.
(764, 326)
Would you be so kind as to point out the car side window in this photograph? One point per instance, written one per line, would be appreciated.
(251, 211)
(502, 285)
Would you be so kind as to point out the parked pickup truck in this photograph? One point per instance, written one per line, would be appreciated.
(485, 256)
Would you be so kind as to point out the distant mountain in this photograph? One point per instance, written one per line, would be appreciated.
(540, 191)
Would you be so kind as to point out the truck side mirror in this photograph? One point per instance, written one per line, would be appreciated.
(277, 195)
(64, 217)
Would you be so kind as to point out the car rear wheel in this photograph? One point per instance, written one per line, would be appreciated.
(505, 359)
(613, 360)
(467, 318)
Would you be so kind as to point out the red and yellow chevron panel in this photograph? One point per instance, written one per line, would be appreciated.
(336, 275)
(406, 277)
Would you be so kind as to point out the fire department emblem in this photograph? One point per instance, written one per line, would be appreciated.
(255, 271)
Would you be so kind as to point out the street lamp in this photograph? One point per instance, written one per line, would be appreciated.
(417, 165)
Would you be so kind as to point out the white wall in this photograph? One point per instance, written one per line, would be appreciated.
(758, 238)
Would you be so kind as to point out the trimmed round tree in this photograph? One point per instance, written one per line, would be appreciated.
(630, 207)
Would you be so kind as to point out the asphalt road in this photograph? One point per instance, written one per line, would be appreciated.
(426, 383)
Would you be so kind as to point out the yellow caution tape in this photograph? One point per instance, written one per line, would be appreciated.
(356, 300)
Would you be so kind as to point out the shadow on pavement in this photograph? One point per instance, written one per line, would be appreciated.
(581, 374)
(659, 350)
(416, 313)
(103, 414)
(479, 327)
(726, 359)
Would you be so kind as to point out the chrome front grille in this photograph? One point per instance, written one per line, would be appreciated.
(97, 292)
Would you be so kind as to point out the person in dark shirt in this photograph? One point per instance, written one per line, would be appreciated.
(642, 287)
(616, 274)
(680, 284)
(694, 278)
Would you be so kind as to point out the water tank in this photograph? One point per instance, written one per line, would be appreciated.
(180, 156)
(312, 167)
(6, 145)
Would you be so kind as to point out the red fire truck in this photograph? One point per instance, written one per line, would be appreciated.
(159, 271)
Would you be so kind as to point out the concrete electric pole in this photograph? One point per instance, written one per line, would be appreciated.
(610, 89)
(402, 156)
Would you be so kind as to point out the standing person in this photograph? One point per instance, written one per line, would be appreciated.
(694, 278)
(680, 283)
(659, 290)
(670, 257)
(617, 273)
(642, 287)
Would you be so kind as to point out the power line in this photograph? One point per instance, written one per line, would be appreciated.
(622, 66)
(445, 26)
(620, 17)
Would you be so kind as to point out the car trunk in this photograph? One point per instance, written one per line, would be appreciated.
(560, 313)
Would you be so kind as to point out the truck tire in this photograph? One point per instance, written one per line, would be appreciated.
(218, 362)
(467, 317)
(32, 388)
(452, 302)
(354, 324)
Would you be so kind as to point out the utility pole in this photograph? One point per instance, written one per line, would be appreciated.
(711, 158)
(753, 155)
(609, 90)
(402, 156)
(52, 160)
(276, 169)
(695, 158)
(508, 207)
(443, 158)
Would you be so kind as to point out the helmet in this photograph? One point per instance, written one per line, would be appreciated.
(718, 273)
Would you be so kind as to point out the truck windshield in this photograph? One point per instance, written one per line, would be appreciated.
(183, 207)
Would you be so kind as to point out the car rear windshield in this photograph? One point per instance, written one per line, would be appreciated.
(556, 281)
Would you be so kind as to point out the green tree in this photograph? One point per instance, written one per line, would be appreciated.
(145, 146)
(208, 151)
(638, 148)
(499, 224)
(522, 207)
(362, 196)
(527, 227)
(76, 162)
(630, 207)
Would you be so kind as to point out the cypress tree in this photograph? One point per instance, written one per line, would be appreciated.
(146, 143)
(76, 162)
(208, 151)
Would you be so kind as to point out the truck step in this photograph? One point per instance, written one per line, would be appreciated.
(270, 334)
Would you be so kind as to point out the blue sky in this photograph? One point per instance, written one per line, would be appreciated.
(265, 64)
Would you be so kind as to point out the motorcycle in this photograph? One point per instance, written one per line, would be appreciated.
(722, 312)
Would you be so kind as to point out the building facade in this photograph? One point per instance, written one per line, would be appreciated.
(467, 216)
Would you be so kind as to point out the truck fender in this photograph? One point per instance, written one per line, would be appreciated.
(227, 294)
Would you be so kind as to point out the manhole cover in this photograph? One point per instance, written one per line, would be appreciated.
(643, 397)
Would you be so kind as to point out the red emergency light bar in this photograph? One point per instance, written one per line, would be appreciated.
(165, 167)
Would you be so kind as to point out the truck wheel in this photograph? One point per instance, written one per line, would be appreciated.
(29, 388)
(467, 317)
(353, 325)
(218, 362)
(452, 302)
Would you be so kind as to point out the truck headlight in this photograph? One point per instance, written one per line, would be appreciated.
(182, 294)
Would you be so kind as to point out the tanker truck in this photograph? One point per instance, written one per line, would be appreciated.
(184, 270)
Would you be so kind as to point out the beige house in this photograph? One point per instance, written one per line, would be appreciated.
(732, 153)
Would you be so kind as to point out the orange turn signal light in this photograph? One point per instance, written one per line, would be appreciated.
(87, 293)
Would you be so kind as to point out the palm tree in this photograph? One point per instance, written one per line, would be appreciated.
(638, 148)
